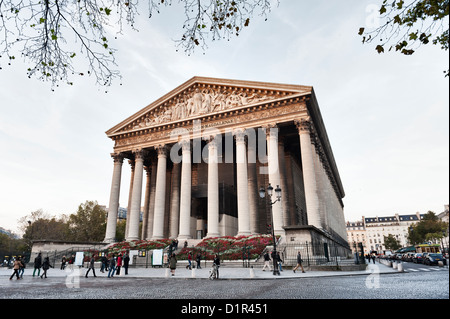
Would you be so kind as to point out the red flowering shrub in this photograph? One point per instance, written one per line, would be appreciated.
(122, 247)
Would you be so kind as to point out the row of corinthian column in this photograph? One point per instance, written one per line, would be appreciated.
(180, 222)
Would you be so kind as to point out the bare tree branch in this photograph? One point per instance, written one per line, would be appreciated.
(61, 39)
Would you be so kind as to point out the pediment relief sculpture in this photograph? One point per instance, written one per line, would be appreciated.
(201, 101)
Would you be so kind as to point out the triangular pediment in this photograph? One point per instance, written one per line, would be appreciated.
(201, 96)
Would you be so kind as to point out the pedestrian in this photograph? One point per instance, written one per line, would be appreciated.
(45, 266)
(173, 264)
(22, 267)
(217, 262)
(119, 264)
(63, 262)
(126, 262)
(91, 266)
(104, 264)
(71, 261)
(16, 268)
(37, 264)
(189, 266)
(198, 258)
(373, 258)
(279, 260)
(299, 262)
(266, 261)
(112, 267)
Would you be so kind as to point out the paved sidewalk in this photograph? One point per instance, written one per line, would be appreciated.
(203, 273)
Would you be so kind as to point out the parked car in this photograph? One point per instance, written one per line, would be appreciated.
(433, 259)
(408, 256)
(418, 258)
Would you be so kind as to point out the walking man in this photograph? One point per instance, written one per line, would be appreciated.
(266, 261)
(299, 262)
(37, 264)
(91, 266)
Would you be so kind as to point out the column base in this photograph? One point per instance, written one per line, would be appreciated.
(244, 233)
(184, 237)
(212, 235)
(131, 238)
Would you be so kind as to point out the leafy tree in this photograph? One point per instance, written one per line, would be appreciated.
(88, 224)
(391, 242)
(40, 226)
(429, 228)
(407, 26)
(44, 32)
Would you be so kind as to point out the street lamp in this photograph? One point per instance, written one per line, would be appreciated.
(262, 194)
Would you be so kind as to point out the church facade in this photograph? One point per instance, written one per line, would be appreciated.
(200, 155)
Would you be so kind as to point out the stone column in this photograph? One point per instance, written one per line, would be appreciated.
(253, 195)
(151, 205)
(283, 184)
(185, 192)
(145, 217)
(309, 176)
(130, 197)
(160, 194)
(113, 208)
(213, 189)
(274, 177)
(134, 218)
(175, 201)
(242, 184)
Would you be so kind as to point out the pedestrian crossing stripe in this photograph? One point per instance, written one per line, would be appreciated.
(424, 269)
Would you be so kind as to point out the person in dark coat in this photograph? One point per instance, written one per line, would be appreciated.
(126, 262)
(91, 266)
(217, 262)
(112, 267)
(45, 266)
(198, 258)
(299, 262)
(173, 264)
(37, 264)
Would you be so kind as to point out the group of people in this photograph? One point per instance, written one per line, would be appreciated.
(198, 259)
(114, 264)
(277, 257)
(370, 257)
(173, 262)
(19, 267)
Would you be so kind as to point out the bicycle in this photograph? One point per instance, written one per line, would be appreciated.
(214, 272)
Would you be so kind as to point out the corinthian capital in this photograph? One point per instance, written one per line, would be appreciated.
(304, 125)
(240, 135)
(117, 157)
(162, 150)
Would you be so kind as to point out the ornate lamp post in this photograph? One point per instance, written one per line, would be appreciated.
(262, 194)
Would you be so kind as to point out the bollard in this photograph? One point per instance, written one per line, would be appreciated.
(252, 272)
(400, 267)
(394, 265)
(389, 263)
(193, 273)
(441, 263)
(167, 272)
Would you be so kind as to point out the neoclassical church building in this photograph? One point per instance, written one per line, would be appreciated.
(201, 154)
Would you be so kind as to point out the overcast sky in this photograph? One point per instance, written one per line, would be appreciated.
(386, 115)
